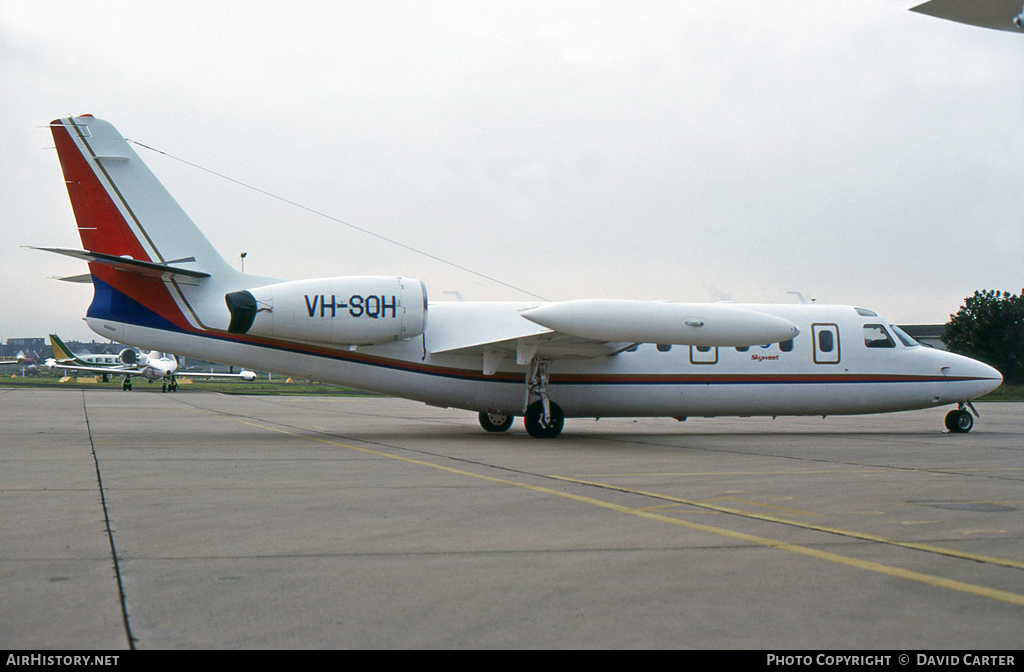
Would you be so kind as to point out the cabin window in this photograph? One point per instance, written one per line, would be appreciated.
(742, 348)
(786, 346)
(825, 341)
(703, 355)
(664, 347)
(875, 336)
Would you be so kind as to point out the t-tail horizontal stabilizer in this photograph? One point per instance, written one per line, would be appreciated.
(129, 264)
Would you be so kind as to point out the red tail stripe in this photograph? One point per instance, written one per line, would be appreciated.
(100, 223)
(103, 228)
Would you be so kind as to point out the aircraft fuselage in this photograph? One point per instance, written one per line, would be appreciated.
(827, 369)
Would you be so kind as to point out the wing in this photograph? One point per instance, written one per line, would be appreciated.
(474, 328)
(592, 328)
(247, 376)
(997, 14)
(112, 370)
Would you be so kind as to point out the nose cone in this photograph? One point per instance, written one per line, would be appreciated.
(976, 378)
(991, 375)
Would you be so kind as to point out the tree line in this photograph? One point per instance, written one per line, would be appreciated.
(989, 327)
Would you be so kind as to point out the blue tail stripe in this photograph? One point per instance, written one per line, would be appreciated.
(111, 304)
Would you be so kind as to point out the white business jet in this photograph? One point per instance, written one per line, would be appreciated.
(152, 366)
(159, 284)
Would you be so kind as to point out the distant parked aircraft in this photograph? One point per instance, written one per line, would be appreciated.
(152, 366)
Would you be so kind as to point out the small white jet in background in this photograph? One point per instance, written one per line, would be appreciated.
(20, 358)
(130, 362)
(26, 361)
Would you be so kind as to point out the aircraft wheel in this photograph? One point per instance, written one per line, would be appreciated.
(534, 421)
(163, 387)
(496, 422)
(959, 421)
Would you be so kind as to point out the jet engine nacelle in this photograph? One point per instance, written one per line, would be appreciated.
(128, 356)
(355, 310)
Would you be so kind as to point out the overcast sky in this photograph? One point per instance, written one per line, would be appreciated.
(850, 150)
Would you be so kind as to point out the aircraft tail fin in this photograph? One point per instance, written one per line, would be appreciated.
(60, 351)
(121, 208)
(150, 265)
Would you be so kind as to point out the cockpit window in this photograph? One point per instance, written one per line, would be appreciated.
(905, 338)
(875, 336)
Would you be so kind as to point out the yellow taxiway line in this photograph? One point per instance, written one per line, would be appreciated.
(920, 577)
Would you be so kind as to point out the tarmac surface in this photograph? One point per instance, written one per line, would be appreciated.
(341, 522)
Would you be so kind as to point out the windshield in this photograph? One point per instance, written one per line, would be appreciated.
(905, 338)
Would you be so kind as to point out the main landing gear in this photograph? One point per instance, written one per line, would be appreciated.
(541, 425)
(960, 421)
(536, 425)
(126, 384)
(496, 422)
(543, 418)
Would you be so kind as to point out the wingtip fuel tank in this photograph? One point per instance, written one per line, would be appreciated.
(703, 325)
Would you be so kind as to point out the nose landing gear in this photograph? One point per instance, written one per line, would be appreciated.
(960, 421)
